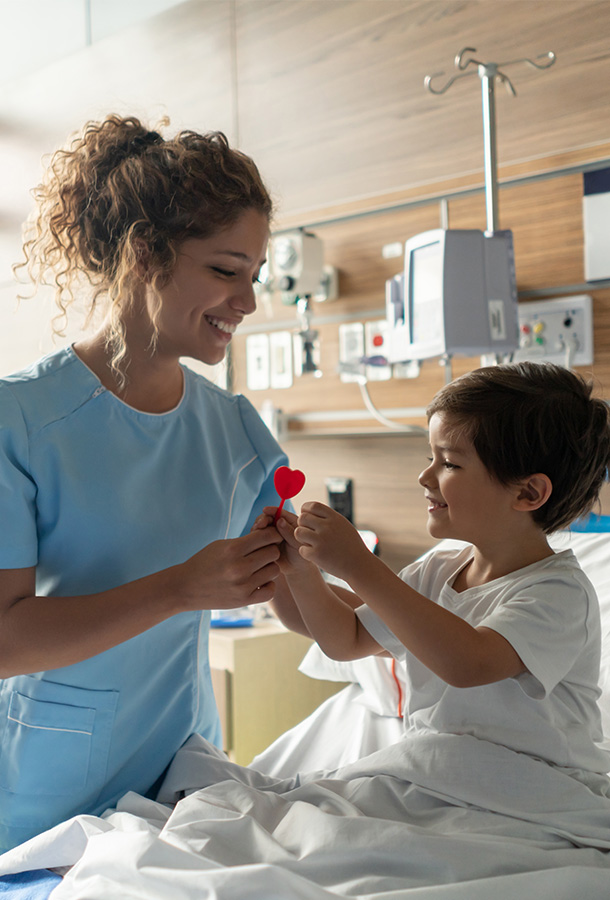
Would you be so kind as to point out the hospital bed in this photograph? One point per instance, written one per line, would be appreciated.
(447, 819)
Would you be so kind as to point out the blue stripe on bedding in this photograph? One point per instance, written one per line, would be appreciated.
(591, 523)
(34, 885)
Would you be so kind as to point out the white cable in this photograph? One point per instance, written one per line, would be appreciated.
(396, 426)
(571, 348)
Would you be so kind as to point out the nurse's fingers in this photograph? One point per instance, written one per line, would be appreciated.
(244, 573)
(264, 576)
(254, 540)
(262, 594)
(287, 530)
(285, 514)
(262, 521)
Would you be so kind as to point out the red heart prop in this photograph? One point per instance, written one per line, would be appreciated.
(288, 482)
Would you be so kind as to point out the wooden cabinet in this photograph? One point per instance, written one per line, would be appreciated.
(259, 691)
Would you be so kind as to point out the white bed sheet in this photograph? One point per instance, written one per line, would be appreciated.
(463, 816)
(448, 817)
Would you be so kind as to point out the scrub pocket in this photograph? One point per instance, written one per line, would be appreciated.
(55, 737)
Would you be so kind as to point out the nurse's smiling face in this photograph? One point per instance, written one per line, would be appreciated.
(211, 290)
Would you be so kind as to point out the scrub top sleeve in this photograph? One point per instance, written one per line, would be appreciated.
(270, 456)
(19, 543)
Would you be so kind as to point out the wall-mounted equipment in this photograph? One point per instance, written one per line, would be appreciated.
(340, 496)
(596, 215)
(458, 293)
(257, 362)
(296, 260)
(351, 351)
(306, 343)
(558, 331)
(297, 269)
(457, 297)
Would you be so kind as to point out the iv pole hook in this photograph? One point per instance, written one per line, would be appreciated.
(488, 72)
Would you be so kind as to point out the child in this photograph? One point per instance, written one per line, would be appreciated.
(500, 636)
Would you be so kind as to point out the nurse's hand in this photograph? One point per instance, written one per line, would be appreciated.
(290, 561)
(231, 573)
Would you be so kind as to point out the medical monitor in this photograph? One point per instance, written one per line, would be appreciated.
(457, 296)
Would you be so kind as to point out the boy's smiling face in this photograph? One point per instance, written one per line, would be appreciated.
(464, 501)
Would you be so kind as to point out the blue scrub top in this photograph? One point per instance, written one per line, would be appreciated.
(96, 494)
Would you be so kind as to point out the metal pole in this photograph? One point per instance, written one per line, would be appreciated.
(487, 74)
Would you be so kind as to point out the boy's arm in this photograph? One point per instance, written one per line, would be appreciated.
(305, 603)
(285, 607)
(460, 654)
(330, 620)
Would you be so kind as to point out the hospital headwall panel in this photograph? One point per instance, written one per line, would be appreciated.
(546, 219)
(367, 158)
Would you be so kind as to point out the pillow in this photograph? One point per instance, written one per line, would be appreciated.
(381, 692)
(592, 550)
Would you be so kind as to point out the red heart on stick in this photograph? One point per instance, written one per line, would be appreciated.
(288, 483)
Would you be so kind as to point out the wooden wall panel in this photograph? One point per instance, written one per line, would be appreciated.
(332, 101)
(546, 220)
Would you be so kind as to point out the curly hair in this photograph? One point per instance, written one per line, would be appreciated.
(524, 418)
(119, 190)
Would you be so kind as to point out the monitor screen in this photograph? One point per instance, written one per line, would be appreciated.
(426, 300)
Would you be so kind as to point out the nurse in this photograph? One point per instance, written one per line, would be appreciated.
(128, 483)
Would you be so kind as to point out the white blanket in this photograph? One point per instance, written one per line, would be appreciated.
(470, 818)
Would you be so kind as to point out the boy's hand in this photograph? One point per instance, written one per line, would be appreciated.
(327, 539)
(290, 561)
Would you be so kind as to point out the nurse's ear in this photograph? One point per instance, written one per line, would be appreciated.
(532, 492)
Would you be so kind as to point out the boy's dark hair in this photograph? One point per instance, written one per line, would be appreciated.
(525, 418)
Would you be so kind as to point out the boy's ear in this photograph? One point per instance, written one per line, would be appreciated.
(533, 492)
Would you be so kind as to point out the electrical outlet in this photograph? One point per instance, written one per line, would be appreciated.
(257, 362)
(558, 331)
(375, 340)
(351, 351)
(280, 359)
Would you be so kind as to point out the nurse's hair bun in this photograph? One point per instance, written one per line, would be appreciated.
(121, 195)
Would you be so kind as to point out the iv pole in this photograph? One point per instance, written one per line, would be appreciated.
(488, 72)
